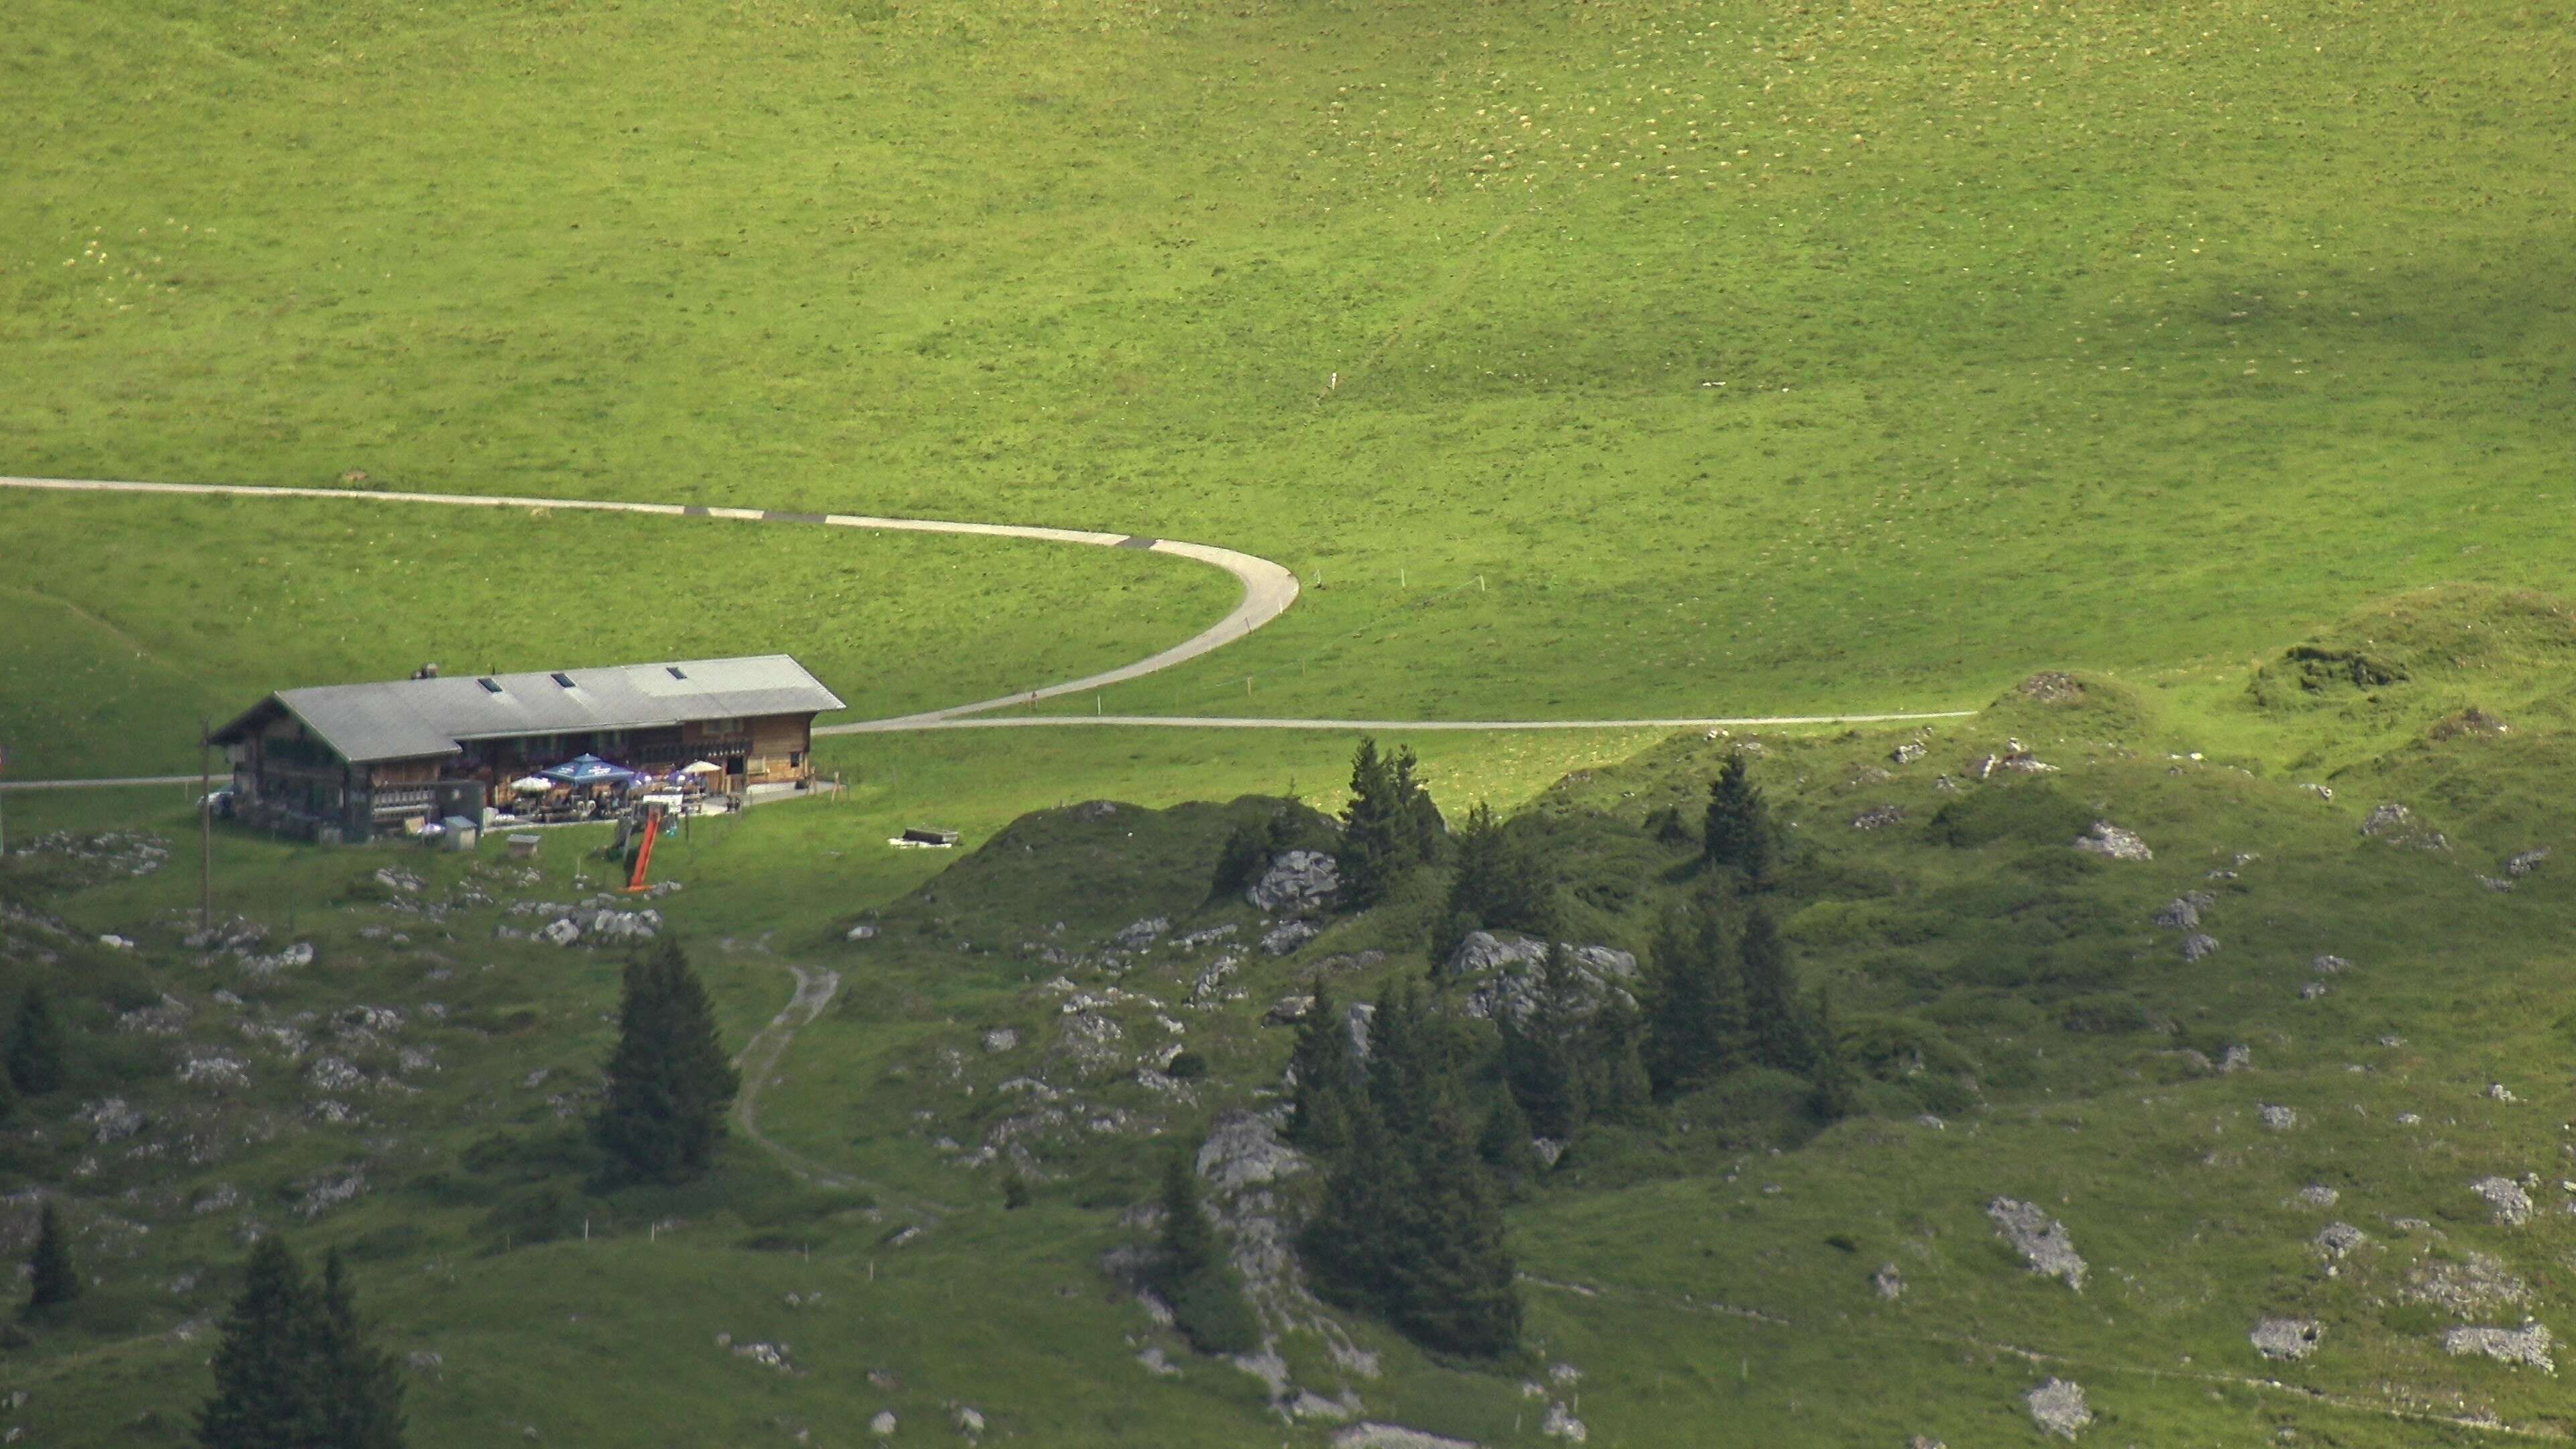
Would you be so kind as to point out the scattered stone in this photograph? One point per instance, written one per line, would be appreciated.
(2527, 1345)
(395, 878)
(2472, 721)
(2397, 825)
(2198, 947)
(863, 931)
(2040, 1239)
(767, 1355)
(2236, 1059)
(2497, 884)
(2324, 793)
(1141, 934)
(109, 1119)
(1288, 1010)
(330, 1188)
(1878, 817)
(2286, 1338)
(1508, 967)
(2313, 990)
(2524, 864)
(2318, 1195)
(2057, 1406)
(559, 932)
(883, 1424)
(2408, 1119)
(2499, 1092)
(214, 1070)
(1157, 1364)
(1001, 1039)
(1287, 936)
(2330, 965)
(2279, 1119)
(969, 1420)
(101, 855)
(1299, 882)
(2052, 686)
(1561, 1424)
(2177, 914)
(2110, 841)
(2511, 1205)
(1887, 1282)
(1394, 1436)
(2338, 1239)
(2478, 1284)
(1906, 753)
(426, 1361)
(168, 1018)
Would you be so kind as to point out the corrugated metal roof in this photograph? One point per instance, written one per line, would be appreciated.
(415, 718)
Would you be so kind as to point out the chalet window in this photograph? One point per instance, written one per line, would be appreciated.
(564, 679)
(676, 671)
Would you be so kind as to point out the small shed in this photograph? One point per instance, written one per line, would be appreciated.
(461, 833)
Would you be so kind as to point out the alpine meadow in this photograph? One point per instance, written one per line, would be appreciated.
(1790, 724)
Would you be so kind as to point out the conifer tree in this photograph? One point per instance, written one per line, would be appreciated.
(1505, 1144)
(1738, 833)
(359, 1385)
(1389, 827)
(264, 1382)
(1427, 833)
(1620, 1089)
(668, 1081)
(1453, 1284)
(1694, 1001)
(1192, 1272)
(1542, 1058)
(1326, 1072)
(1405, 1077)
(35, 1046)
(51, 1277)
(1500, 884)
(1780, 1035)
(1360, 1229)
(1837, 1089)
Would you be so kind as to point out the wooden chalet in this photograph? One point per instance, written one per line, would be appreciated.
(351, 761)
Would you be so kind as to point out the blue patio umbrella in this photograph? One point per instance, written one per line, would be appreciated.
(589, 770)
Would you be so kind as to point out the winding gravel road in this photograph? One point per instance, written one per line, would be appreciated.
(1268, 590)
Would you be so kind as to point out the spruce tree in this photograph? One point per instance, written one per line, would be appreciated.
(1326, 1071)
(1505, 1144)
(1738, 832)
(1453, 1281)
(1405, 1065)
(1192, 1272)
(1500, 884)
(1620, 1089)
(1837, 1090)
(1389, 827)
(1359, 1230)
(51, 1277)
(36, 1046)
(1427, 835)
(359, 1385)
(1543, 1061)
(668, 1081)
(264, 1380)
(1780, 1035)
(1245, 856)
(1694, 1001)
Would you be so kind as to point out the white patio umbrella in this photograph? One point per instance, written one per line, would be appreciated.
(531, 784)
(702, 767)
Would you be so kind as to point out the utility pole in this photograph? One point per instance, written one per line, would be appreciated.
(205, 829)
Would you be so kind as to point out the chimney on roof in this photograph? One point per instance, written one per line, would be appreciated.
(426, 671)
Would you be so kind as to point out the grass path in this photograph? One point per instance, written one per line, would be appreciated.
(758, 1062)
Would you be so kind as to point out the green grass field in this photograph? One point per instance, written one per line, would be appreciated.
(1638, 359)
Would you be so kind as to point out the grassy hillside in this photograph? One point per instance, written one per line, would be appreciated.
(2026, 1031)
(1755, 359)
